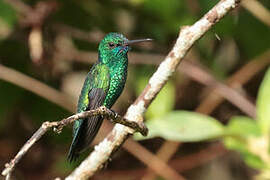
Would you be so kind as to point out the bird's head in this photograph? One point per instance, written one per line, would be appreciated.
(115, 46)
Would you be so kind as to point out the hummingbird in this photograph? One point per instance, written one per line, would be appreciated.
(103, 85)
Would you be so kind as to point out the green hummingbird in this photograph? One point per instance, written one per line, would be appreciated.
(102, 87)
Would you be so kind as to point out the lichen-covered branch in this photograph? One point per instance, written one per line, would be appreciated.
(58, 126)
(187, 37)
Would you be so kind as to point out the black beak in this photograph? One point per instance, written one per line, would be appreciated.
(138, 41)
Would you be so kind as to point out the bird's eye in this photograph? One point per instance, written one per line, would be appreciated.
(111, 44)
(118, 44)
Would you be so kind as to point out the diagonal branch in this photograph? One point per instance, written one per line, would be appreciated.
(187, 37)
(58, 126)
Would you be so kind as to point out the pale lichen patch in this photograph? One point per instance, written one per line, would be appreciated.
(135, 110)
(161, 75)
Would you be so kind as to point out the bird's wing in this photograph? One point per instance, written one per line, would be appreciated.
(92, 96)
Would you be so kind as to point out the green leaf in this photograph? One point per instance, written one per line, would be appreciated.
(263, 103)
(184, 126)
(243, 135)
(243, 126)
(254, 161)
(233, 143)
(241, 146)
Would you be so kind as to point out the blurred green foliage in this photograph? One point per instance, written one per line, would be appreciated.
(184, 126)
(8, 14)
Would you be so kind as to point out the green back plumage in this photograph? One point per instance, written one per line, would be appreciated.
(98, 77)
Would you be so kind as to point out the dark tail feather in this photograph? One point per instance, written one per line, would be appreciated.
(87, 133)
(72, 155)
(89, 127)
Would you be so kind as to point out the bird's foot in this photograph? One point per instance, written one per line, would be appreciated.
(137, 126)
(142, 129)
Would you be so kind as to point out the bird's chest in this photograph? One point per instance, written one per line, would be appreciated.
(117, 83)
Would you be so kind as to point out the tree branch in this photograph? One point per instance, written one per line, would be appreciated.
(58, 126)
(187, 37)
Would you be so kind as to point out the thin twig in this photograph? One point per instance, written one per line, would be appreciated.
(58, 126)
(187, 37)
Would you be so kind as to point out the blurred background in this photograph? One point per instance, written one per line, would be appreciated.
(47, 48)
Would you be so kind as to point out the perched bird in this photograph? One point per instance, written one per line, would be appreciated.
(102, 87)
